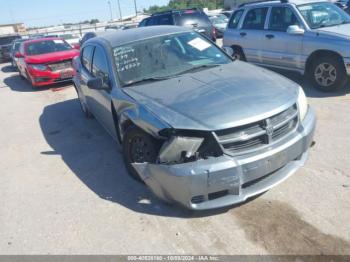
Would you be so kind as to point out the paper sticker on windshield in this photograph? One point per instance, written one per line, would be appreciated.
(58, 41)
(199, 44)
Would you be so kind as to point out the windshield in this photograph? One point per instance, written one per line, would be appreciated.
(47, 46)
(319, 15)
(165, 56)
(218, 20)
(188, 18)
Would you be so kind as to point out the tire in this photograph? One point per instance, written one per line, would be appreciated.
(138, 147)
(328, 74)
(84, 108)
(238, 54)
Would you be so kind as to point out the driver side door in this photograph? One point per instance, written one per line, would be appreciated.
(99, 101)
(280, 48)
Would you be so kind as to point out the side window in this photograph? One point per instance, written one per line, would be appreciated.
(255, 19)
(143, 23)
(151, 21)
(235, 18)
(165, 20)
(281, 18)
(86, 57)
(100, 65)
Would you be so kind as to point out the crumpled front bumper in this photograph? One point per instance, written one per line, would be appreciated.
(226, 180)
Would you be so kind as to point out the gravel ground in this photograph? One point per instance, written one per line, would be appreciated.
(64, 188)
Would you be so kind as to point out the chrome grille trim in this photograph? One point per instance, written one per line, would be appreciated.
(253, 136)
(60, 65)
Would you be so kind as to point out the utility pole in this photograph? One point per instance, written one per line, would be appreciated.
(120, 11)
(135, 7)
(110, 9)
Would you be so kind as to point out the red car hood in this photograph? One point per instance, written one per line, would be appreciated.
(52, 57)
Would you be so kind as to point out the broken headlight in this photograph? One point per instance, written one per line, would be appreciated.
(187, 146)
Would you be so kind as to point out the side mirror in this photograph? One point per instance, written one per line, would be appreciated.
(228, 50)
(97, 83)
(18, 55)
(295, 30)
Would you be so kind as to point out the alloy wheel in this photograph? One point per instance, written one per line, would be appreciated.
(325, 74)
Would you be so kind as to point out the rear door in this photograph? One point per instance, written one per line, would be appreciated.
(279, 47)
(85, 74)
(251, 33)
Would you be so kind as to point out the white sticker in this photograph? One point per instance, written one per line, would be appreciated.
(199, 44)
(58, 41)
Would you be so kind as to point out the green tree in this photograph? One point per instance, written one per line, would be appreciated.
(183, 4)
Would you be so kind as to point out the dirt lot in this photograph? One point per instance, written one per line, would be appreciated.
(64, 189)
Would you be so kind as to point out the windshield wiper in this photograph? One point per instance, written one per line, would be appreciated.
(147, 79)
(198, 67)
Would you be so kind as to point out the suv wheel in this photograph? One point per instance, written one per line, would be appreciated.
(138, 147)
(238, 54)
(328, 74)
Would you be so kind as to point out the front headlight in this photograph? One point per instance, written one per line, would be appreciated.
(302, 104)
(39, 67)
(178, 148)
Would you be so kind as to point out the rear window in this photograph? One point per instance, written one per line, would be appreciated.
(7, 40)
(192, 17)
(47, 46)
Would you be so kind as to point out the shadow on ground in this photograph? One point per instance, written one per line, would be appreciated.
(18, 84)
(95, 158)
(8, 69)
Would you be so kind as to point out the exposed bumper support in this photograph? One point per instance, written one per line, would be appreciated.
(224, 181)
(347, 65)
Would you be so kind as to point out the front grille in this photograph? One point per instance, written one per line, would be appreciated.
(61, 65)
(255, 135)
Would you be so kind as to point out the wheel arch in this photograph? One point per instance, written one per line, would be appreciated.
(319, 53)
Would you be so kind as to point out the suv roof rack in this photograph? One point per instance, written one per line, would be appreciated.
(177, 11)
(263, 1)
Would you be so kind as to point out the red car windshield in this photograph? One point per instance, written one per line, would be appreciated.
(47, 46)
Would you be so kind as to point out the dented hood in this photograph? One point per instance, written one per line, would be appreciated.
(230, 95)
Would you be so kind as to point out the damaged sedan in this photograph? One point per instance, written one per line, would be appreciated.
(199, 128)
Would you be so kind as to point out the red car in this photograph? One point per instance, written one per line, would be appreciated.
(46, 61)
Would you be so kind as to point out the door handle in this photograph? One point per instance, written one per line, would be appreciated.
(243, 34)
(269, 36)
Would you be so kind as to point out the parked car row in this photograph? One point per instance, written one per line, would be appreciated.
(198, 126)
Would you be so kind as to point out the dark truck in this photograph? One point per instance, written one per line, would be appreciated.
(5, 47)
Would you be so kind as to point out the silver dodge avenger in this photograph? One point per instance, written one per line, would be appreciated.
(197, 127)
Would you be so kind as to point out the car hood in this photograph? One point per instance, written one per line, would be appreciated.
(52, 57)
(339, 30)
(230, 95)
(221, 25)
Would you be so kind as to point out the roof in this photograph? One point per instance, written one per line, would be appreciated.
(273, 2)
(121, 37)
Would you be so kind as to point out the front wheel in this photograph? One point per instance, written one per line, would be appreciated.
(138, 147)
(328, 74)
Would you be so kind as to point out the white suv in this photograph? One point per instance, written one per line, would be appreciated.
(312, 38)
